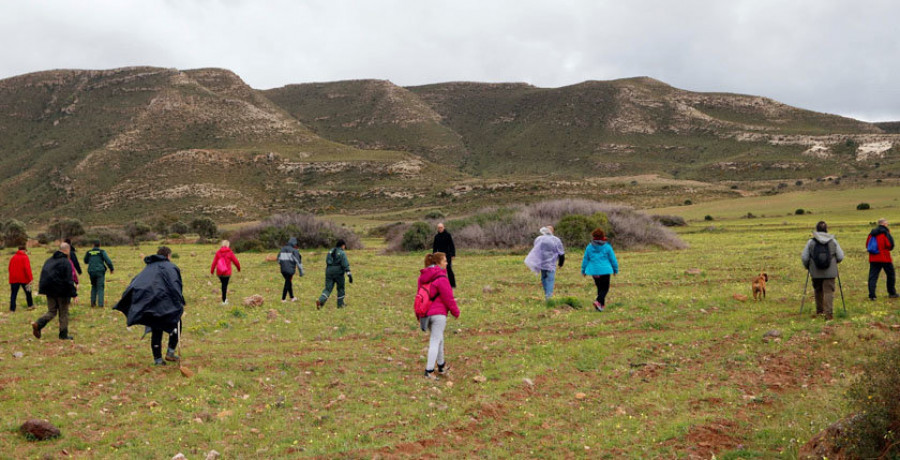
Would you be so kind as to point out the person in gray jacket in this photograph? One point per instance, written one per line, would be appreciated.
(820, 256)
(291, 262)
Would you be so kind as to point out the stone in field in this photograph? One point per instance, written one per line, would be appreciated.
(255, 300)
(179, 456)
(479, 379)
(693, 271)
(213, 455)
(740, 297)
(39, 430)
(487, 290)
(272, 314)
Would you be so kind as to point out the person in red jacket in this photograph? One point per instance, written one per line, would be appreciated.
(20, 277)
(435, 273)
(221, 266)
(881, 260)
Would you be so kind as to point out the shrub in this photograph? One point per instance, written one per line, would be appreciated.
(382, 231)
(275, 231)
(107, 236)
(799, 212)
(434, 215)
(205, 228)
(179, 227)
(874, 431)
(708, 218)
(750, 215)
(573, 302)
(670, 221)
(14, 233)
(418, 237)
(65, 228)
(863, 206)
(575, 230)
(43, 238)
(798, 183)
(688, 202)
(136, 230)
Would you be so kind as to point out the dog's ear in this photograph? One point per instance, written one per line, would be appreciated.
(766, 276)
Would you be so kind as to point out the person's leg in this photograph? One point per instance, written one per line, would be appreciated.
(828, 298)
(874, 270)
(602, 289)
(14, 292)
(173, 344)
(436, 323)
(341, 292)
(93, 277)
(450, 276)
(329, 286)
(891, 279)
(52, 310)
(64, 318)
(28, 300)
(547, 280)
(224, 280)
(101, 289)
(820, 294)
(288, 288)
(156, 344)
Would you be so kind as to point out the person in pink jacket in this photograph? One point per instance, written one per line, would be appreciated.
(435, 274)
(221, 266)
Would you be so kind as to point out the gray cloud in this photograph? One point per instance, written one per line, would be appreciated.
(833, 56)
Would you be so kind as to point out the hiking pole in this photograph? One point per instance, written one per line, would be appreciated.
(843, 305)
(802, 302)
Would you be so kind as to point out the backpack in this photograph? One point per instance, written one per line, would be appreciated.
(222, 265)
(872, 245)
(424, 299)
(821, 256)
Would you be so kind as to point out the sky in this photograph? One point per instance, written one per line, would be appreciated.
(833, 56)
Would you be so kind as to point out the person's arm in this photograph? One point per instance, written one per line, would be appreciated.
(613, 261)
(178, 284)
(804, 256)
(108, 262)
(838, 252)
(584, 261)
(562, 260)
(237, 263)
(212, 268)
(345, 262)
(445, 292)
(452, 248)
(75, 264)
(28, 274)
(87, 256)
(890, 240)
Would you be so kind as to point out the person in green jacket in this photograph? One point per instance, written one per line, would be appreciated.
(336, 264)
(97, 261)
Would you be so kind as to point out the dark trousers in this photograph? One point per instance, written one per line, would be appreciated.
(824, 288)
(602, 282)
(156, 341)
(450, 276)
(288, 286)
(874, 270)
(330, 282)
(15, 293)
(98, 284)
(224, 280)
(57, 305)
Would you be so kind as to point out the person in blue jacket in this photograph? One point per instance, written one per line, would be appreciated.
(599, 262)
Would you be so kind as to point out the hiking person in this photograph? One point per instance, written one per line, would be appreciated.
(59, 283)
(821, 257)
(291, 262)
(97, 261)
(154, 299)
(443, 242)
(599, 262)
(20, 277)
(336, 264)
(547, 253)
(435, 274)
(73, 256)
(880, 259)
(221, 266)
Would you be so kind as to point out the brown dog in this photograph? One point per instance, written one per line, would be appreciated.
(759, 286)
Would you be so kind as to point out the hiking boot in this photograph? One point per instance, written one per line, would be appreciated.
(893, 296)
(318, 305)
(873, 298)
(171, 356)
(64, 335)
(429, 375)
(36, 329)
(159, 362)
(443, 368)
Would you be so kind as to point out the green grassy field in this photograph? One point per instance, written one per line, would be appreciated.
(674, 368)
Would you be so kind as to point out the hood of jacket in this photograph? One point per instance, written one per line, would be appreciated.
(429, 274)
(292, 242)
(155, 258)
(21, 253)
(597, 244)
(822, 237)
(223, 250)
(881, 229)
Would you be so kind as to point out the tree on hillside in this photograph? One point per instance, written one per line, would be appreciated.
(205, 227)
(66, 227)
(13, 233)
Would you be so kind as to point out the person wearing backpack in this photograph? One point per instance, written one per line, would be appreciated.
(879, 245)
(290, 262)
(434, 276)
(221, 266)
(820, 256)
(336, 264)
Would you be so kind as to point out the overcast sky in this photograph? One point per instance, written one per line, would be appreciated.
(832, 56)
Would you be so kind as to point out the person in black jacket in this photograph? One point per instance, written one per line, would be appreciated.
(73, 256)
(443, 242)
(57, 282)
(154, 299)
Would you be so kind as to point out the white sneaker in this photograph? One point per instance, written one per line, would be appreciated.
(283, 301)
(293, 299)
(225, 302)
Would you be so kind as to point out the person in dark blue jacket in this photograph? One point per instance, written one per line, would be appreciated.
(599, 262)
(154, 299)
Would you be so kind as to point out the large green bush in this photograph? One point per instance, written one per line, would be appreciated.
(205, 227)
(575, 229)
(416, 237)
(13, 233)
(65, 228)
(875, 430)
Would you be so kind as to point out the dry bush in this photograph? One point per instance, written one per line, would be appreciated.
(310, 231)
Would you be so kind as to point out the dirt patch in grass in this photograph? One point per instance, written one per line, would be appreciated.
(704, 441)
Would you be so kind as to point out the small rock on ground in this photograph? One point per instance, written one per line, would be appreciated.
(39, 429)
(212, 455)
(255, 300)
